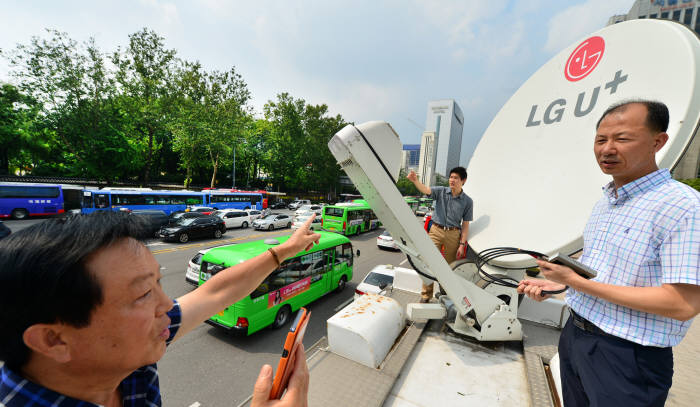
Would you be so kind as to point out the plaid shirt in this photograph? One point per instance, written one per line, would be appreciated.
(139, 389)
(646, 236)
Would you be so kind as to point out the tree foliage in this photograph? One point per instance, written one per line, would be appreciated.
(140, 112)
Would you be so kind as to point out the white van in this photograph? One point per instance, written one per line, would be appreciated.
(234, 218)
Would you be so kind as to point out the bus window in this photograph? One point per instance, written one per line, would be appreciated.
(101, 201)
(344, 254)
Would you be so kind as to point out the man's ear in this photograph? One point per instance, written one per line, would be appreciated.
(47, 340)
(659, 141)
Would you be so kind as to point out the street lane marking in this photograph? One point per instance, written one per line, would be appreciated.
(403, 262)
(195, 404)
(346, 302)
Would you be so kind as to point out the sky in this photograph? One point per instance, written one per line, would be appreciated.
(366, 60)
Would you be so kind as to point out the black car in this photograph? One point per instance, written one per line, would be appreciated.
(176, 216)
(278, 205)
(188, 228)
(154, 219)
(4, 230)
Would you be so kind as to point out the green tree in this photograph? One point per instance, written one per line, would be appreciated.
(145, 74)
(75, 97)
(405, 186)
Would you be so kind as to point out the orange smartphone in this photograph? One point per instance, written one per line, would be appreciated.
(284, 368)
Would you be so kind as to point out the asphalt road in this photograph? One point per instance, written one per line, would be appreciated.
(210, 368)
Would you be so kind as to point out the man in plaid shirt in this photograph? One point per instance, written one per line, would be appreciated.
(84, 319)
(643, 239)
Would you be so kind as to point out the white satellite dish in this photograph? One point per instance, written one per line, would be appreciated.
(533, 176)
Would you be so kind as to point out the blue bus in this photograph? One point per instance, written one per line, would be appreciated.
(21, 200)
(116, 199)
(227, 199)
(135, 199)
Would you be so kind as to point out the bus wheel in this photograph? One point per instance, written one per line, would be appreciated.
(244, 225)
(282, 317)
(19, 214)
(217, 234)
(183, 238)
(341, 284)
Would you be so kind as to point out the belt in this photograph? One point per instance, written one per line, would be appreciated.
(446, 227)
(586, 325)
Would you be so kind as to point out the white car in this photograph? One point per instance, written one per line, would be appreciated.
(254, 214)
(309, 208)
(422, 210)
(192, 273)
(299, 222)
(234, 218)
(299, 202)
(273, 221)
(385, 275)
(385, 241)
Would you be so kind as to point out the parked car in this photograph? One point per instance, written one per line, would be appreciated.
(234, 218)
(206, 210)
(385, 241)
(375, 281)
(385, 275)
(422, 210)
(154, 219)
(299, 222)
(273, 221)
(309, 208)
(188, 228)
(176, 216)
(4, 230)
(278, 205)
(254, 214)
(299, 202)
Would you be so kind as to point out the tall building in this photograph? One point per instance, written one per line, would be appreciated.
(446, 120)
(410, 157)
(426, 165)
(686, 12)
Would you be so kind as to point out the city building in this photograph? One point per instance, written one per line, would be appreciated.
(446, 120)
(686, 12)
(426, 165)
(410, 157)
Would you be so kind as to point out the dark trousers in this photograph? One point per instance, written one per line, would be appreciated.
(603, 370)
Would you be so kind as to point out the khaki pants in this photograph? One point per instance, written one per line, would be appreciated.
(449, 239)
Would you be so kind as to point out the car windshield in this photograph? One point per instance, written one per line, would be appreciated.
(218, 213)
(386, 233)
(379, 279)
(270, 217)
(185, 221)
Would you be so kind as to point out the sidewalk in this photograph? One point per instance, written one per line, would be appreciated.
(686, 376)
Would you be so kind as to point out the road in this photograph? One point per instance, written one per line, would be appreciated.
(210, 368)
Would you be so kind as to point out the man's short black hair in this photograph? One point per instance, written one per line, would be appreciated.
(43, 278)
(460, 171)
(657, 114)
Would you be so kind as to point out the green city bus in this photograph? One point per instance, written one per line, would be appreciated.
(349, 218)
(412, 203)
(299, 280)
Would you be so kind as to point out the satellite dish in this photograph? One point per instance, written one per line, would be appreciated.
(533, 176)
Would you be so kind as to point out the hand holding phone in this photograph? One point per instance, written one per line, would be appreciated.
(286, 363)
(580, 268)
